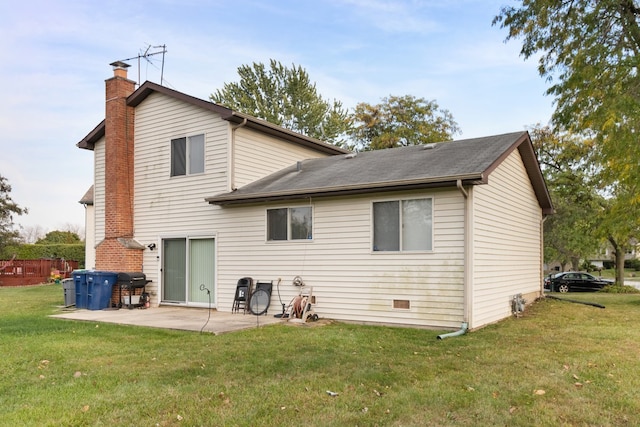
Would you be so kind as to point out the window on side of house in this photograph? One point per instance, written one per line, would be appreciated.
(187, 155)
(289, 224)
(403, 225)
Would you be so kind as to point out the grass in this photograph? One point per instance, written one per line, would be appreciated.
(561, 363)
(629, 273)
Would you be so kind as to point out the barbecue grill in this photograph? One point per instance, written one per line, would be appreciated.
(132, 283)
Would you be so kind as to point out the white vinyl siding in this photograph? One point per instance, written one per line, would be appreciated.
(506, 243)
(90, 237)
(98, 191)
(257, 155)
(350, 282)
(174, 206)
(168, 206)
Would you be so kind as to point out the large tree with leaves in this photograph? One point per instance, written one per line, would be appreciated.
(8, 208)
(57, 237)
(286, 97)
(568, 167)
(619, 224)
(401, 121)
(589, 51)
(585, 219)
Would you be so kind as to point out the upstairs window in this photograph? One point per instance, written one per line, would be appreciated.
(187, 155)
(289, 224)
(403, 225)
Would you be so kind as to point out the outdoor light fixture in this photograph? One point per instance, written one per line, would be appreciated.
(151, 246)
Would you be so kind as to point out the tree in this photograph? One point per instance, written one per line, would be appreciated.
(57, 237)
(585, 219)
(286, 97)
(401, 121)
(618, 223)
(8, 209)
(589, 51)
(31, 234)
(567, 164)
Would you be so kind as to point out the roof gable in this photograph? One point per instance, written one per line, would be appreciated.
(467, 161)
(88, 142)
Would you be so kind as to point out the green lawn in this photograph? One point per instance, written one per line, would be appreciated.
(560, 364)
(629, 273)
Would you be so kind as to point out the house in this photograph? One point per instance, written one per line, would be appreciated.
(607, 254)
(197, 196)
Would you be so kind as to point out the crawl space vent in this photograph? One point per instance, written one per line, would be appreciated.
(403, 304)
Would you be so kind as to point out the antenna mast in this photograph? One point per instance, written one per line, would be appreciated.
(160, 49)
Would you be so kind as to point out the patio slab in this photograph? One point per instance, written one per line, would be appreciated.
(179, 318)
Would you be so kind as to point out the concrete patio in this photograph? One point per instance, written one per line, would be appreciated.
(179, 318)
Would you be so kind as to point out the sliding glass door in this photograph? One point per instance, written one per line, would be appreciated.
(188, 271)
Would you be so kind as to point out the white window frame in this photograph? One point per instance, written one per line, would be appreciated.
(190, 160)
(401, 245)
(289, 224)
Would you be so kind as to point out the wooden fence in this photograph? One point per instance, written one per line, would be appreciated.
(23, 272)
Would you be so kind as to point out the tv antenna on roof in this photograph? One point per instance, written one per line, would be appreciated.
(157, 50)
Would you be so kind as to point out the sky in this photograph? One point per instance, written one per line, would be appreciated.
(55, 58)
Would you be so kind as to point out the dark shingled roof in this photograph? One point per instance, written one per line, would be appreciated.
(469, 161)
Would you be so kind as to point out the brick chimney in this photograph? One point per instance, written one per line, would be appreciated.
(119, 251)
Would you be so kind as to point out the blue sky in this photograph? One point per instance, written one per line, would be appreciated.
(55, 57)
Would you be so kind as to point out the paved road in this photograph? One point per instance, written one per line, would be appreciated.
(634, 283)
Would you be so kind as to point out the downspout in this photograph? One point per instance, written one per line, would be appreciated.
(467, 291)
(232, 155)
(461, 188)
(461, 331)
(542, 221)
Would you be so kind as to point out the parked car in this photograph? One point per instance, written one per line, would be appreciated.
(575, 281)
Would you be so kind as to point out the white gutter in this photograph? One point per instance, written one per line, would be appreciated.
(358, 188)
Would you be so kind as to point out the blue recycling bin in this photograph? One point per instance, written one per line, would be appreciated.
(99, 289)
(80, 282)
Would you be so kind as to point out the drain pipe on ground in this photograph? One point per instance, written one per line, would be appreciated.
(461, 331)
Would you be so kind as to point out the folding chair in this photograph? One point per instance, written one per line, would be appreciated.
(243, 294)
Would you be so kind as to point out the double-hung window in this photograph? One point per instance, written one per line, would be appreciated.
(187, 155)
(403, 225)
(289, 224)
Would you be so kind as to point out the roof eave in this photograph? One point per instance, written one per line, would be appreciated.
(89, 141)
(404, 185)
(286, 134)
(532, 166)
(147, 88)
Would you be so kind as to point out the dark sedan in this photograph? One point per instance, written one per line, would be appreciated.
(574, 281)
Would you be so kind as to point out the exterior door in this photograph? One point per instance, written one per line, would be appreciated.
(188, 272)
(174, 272)
(201, 271)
